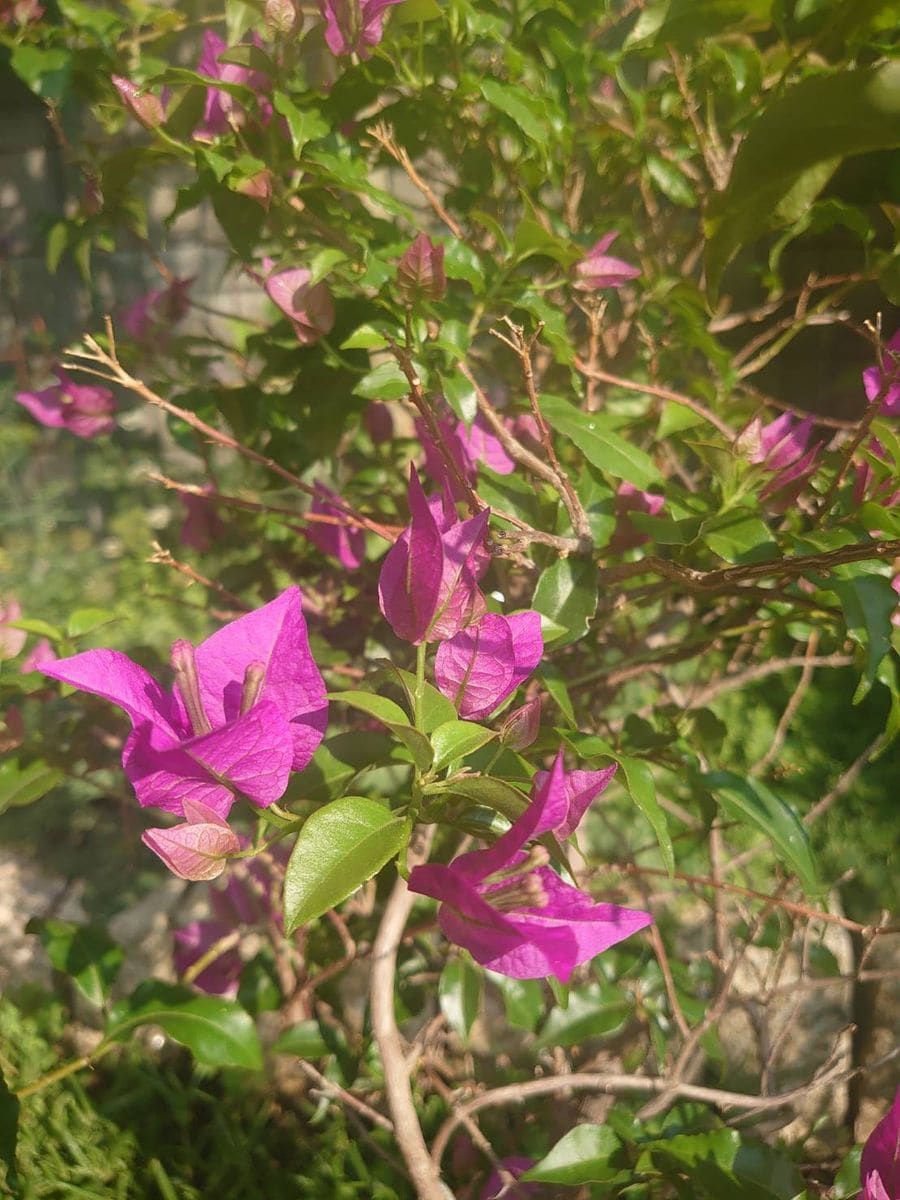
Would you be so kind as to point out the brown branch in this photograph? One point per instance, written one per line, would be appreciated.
(417, 396)
(383, 135)
(790, 567)
(116, 373)
(423, 1170)
(662, 393)
(814, 914)
(333, 1089)
(166, 559)
(761, 671)
(522, 347)
(624, 1085)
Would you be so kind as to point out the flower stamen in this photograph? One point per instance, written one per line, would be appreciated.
(187, 682)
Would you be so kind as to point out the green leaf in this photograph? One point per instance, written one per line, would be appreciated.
(9, 1129)
(567, 593)
(460, 990)
(23, 785)
(869, 602)
(493, 793)
(641, 787)
(384, 382)
(752, 803)
(810, 129)
(555, 683)
(598, 441)
(41, 628)
(739, 536)
(671, 181)
(520, 105)
(394, 718)
(305, 125)
(218, 1032)
(462, 262)
(581, 1156)
(303, 1040)
(337, 850)
(87, 954)
(379, 707)
(86, 620)
(456, 739)
(57, 242)
(435, 708)
(593, 1011)
(523, 999)
(240, 217)
(46, 72)
(366, 337)
(460, 395)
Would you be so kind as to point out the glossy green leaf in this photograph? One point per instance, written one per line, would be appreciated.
(598, 441)
(46, 72)
(455, 739)
(23, 785)
(810, 128)
(218, 1032)
(555, 683)
(337, 850)
(518, 104)
(493, 793)
(566, 592)
(384, 382)
(86, 620)
(460, 990)
(752, 803)
(87, 954)
(523, 999)
(305, 125)
(435, 708)
(394, 718)
(462, 262)
(303, 1040)
(594, 1010)
(580, 1156)
(869, 603)
(641, 787)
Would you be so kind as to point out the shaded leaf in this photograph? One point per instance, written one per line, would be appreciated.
(87, 954)
(218, 1032)
(752, 803)
(460, 990)
(581, 1156)
(567, 593)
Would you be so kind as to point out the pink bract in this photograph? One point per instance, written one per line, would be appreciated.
(420, 272)
(83, 409)
(309, 309)
(428, 586)
(479, 667)
(599, 270)
(886, 382)
(12, 641)
(248, 707)
(354, 26)
(220, 107)
(196, 849)
(512, 912)
(879, 1166)
(345, 542)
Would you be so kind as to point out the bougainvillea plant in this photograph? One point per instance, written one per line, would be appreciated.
(500, 620)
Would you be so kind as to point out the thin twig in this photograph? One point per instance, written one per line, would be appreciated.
(814, 914)
(662, 393)
(166, 559)
(624, 1085)
(383, 135)
(116, 373)
(333, 1089)
(790, 709)
(523, 347)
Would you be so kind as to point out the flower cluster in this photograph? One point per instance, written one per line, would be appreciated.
(509, 909)
(247, 708)
(504, 904)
